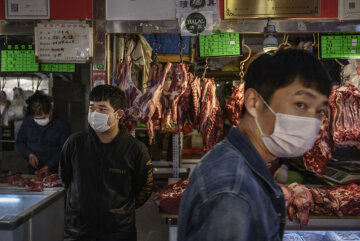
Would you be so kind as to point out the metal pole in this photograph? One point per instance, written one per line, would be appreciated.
(176, 149)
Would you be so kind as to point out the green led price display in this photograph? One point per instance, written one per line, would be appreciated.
(58, 67)
(219, 44)
(339, 45)
(18, 58)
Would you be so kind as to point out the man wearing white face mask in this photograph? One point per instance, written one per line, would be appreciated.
(231, 195)
(107, 173)
(42, 135)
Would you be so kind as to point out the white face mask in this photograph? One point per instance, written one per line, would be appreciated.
(98, 121)
(293, 135)
(42, 122)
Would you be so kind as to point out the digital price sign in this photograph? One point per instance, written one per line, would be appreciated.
(58, 67)
(18, 58)
(339, 45)
(220, 44)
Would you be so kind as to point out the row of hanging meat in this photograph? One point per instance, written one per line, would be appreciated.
(171, 102)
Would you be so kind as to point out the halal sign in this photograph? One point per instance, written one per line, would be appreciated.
(195, 4)
(195, 23)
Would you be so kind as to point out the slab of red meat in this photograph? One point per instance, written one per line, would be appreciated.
(317, 158)
(168, 199)
(42, 173)
(35, 187)
(345, 116)
(349, 198)
(289, 198)
(130, 91)
(235, 104)
(185, 106)
(211, 122)
(178, 87)
(144, 105)
(303, 202)
(16, 180)
(325, 203)
(196, 95)
(126, 84)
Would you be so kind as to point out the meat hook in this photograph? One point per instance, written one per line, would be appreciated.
(242, 62)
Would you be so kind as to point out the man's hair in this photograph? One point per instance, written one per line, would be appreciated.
(114, 95)
(271, 71)
(39, 104)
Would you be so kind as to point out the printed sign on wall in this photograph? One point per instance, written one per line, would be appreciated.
(197, 16)
(63, 42)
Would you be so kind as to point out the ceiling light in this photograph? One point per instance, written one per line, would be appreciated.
(270, 42)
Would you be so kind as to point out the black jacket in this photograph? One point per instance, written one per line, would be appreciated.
(105, 183)
(45, 142)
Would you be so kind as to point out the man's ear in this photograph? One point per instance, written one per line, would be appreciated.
(251, 102)
(120, 114)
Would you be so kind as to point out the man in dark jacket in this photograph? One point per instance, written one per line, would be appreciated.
(107, 174)
(231, 195)
(42, 135)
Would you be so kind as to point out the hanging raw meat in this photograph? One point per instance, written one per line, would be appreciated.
(211, 122)
(124, 82)
(345, 116)
(184, 107)
(317, 158)
(235, 104)
(178, 87)
(144, 105)
(196, 94)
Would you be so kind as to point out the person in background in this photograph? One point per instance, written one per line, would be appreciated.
(279, 169)
(42, 135)
(107, 173)
(231, 195)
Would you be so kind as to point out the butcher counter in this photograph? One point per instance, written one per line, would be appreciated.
(320, 228)
(31, 216)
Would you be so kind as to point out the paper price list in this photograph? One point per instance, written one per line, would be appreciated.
(18, 58)
(219, 44)
(340, 46)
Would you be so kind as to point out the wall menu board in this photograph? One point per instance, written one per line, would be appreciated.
(18, 58)
(339, 45)
(219, 44)
(63, 42)
(58, 67)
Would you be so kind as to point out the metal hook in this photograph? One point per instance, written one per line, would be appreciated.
(342, 66)
(181, 46)
(38, 84)
(242, 63)
(3, 83)
(205, 68)
(315, 42)
(156, 46)
(285, 42)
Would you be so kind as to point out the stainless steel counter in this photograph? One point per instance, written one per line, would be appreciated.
(30, 216)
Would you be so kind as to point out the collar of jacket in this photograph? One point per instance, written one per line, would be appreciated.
(120, 135)
(253, 160)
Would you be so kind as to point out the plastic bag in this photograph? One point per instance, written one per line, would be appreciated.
(17, 107)
(351, 72)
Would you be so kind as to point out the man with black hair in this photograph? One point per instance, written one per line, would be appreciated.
(231, 195)
(42, 134)
(107, 173)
